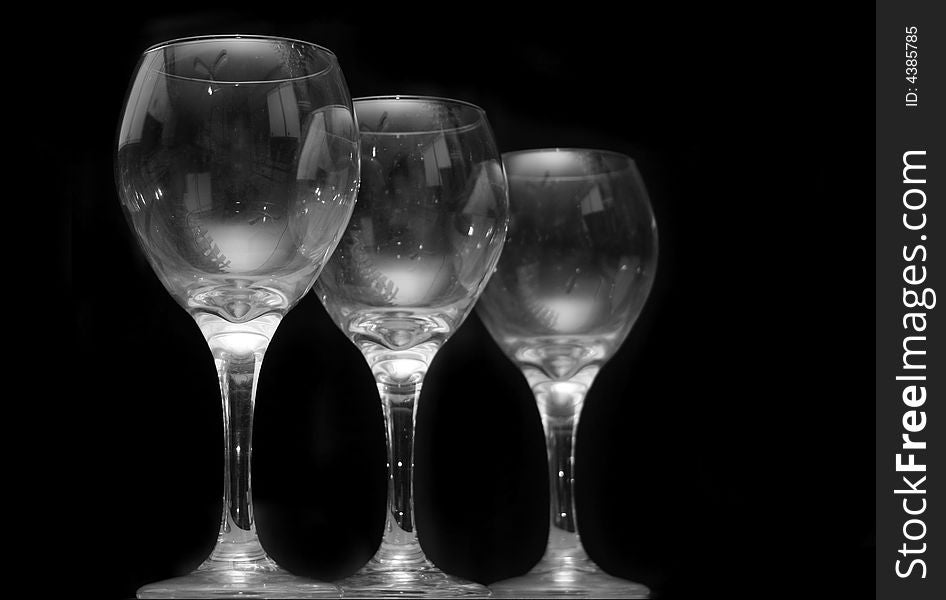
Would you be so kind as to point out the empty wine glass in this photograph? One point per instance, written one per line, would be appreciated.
(237, 167)
(575, 272)
(426, 233)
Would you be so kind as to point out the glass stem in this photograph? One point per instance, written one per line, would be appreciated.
(560, 423)
(238, 351)
(399, 545)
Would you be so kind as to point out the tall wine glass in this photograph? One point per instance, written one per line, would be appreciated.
(425, 236)
(237, 168)
(575, 272)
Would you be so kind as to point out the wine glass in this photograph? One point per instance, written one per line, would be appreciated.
(426, 233)
(575, 272)
(237, 167)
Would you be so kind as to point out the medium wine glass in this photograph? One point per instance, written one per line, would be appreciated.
(425, 236)
(575, 272)
(237, 167)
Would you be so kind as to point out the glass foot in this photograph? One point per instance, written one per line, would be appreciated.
(239, 584)
(568, 583)
(377, 581)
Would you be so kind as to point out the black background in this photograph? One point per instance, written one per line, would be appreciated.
(725, 449)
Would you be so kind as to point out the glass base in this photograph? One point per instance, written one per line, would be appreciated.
(568, 583)
(239, 584)
(424, 581)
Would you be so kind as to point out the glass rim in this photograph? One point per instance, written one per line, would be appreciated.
(629, 162)
(422, 98)
(332, 58)
(440, 99)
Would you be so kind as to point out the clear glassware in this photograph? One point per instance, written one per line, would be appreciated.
(426, 233)
(237, 167)
(575, 272)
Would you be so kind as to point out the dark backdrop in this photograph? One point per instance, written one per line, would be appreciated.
(727, 447)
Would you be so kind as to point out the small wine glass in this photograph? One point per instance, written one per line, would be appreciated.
(237, 167)
(425, 236)
(575, 272)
